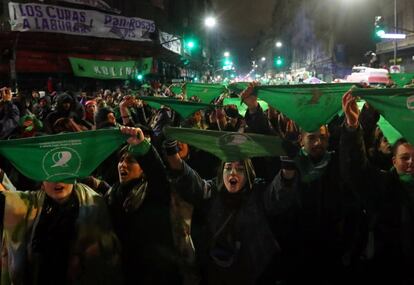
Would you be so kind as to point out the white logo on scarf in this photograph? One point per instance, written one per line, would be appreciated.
(233, 139)
(61, 158)
(61, 161)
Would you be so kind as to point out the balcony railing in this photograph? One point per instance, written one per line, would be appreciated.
(388, 46)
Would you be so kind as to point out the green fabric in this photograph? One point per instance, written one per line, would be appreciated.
(140, 149)
(36, 122)
(176, 89)
(310, 171)
(229, 146)
(402, 79)
(387, 129)
(108, 69)
(407, 181)
(62, 157)
(309, 105)
(242, 108)
(206, 92)
(184, 108)
(396, 105)
(391, 134)
(238, 87)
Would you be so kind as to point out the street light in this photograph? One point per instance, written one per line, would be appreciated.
(210, 22)
(263, 59)
(226, 54)
(279, 44)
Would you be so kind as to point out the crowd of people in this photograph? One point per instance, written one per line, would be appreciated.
(337, 209)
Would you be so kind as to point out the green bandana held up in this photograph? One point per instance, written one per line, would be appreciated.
(229, 146)
(396, 105)
(309, 105)
(184, 108)
(62, 157)
(310, 171)
(206, 92)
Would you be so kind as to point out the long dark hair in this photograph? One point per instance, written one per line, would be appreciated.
(250, 174)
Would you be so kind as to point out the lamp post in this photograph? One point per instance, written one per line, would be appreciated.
(210, 22)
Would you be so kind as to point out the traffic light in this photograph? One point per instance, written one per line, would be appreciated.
(227, 63)
(379, 26)
(190, 43)
(279, 61)
(139, 76)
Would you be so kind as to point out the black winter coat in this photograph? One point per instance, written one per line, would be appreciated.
(391, 208)
(143, 225)
(235, 244)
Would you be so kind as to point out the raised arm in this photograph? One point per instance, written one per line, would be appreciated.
(188, 183)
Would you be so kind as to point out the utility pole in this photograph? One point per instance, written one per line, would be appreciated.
(395, 31)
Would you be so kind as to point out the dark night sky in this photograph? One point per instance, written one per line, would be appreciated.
(240, 21)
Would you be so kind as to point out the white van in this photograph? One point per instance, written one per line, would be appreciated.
(369, 75)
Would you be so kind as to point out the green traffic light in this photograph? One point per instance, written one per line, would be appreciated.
(278, 61)
(139, 77)
(379, 26)
(380, 33)
(190, 44)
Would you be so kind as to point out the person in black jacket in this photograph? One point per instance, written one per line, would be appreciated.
(9, 114)
(235, 244)
(313, 232)
(139, 205)
(389, 199)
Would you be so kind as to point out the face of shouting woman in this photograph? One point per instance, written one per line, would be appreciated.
(234, 176)
(128, 168)
(58, 191)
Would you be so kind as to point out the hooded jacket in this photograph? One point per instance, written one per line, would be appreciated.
(227, 249)
(22, 211)
(9, 118)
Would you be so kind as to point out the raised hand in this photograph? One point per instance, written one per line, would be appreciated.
(350, 108)
(136, 135)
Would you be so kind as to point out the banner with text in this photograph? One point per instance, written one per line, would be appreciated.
(108, 69)
(33, 17)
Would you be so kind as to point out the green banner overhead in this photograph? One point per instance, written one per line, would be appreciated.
(184, 108)
(229, 146)
(309, 105)
(237, 87)
(206, 92)
(242, 108)
(108, 69)
(402, 79)
(396, 105)
(62, 157)
(388, 130)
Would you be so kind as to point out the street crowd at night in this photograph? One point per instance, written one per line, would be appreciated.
(138, 163)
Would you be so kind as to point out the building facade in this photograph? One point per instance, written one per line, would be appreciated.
(403, 50)
(322, 38)
(30, 57)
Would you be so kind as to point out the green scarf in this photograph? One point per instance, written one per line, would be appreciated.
(407, 180)
(310, 171)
